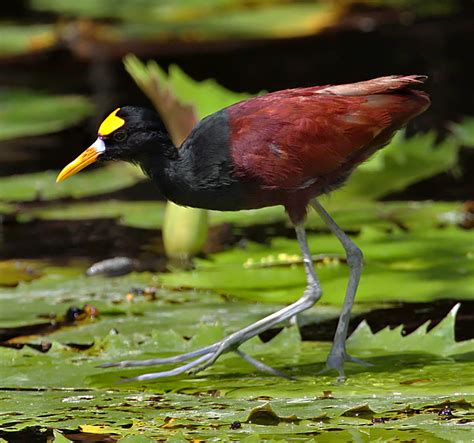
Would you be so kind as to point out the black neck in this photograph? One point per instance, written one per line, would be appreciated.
(165, 166)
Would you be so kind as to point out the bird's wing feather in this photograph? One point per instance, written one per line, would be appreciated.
(289, 142)
(290, 138)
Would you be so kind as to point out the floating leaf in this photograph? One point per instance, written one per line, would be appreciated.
(421, 265)
(27, 113)
(43, 186)
(12, 272)
(266, 416)
(19, 39)
(217, 19)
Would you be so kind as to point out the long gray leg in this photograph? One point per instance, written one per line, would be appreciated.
(338, 354)
(208, 355)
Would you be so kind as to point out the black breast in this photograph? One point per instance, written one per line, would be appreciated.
(203, 176)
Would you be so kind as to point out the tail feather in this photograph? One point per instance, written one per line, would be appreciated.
(381, 85)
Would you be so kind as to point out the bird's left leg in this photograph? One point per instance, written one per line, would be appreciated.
(338, 354)
(205, 357)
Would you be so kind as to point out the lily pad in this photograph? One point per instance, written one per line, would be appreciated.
(13, 272)
(412, 266)
(206, 406)
(219, 19)
(28, 113)
(351, 217)
(42, 185)
(19, 39)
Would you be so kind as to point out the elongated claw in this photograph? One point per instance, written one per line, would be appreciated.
(262, 366)
(172, 372)
(161, 361)
(206, 359)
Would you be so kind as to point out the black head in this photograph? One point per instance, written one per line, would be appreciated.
(128, 133)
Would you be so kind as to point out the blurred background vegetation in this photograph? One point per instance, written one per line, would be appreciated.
(64, 65)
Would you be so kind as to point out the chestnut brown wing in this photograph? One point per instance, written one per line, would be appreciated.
(289, 143)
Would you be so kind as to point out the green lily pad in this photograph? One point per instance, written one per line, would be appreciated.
(140, 214)
(67, 384)
(72, 389)
(413, 266)
(13, 272)
(219, 19)
(43, 186)
(149, 214)
(20, 39)
(27, 113)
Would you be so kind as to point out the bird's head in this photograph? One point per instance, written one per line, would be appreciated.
(126, 134)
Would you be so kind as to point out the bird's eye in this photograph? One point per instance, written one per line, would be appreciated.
(120, 136)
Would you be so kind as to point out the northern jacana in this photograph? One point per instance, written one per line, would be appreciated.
(283, 148)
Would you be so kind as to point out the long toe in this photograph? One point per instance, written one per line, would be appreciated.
(336, 361)
(162, 361)
(358, 361)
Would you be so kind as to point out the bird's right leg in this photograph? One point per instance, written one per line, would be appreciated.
(338, 354)
(206, 356)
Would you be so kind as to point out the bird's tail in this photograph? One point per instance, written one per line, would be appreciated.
(394, 100)
(380, 85)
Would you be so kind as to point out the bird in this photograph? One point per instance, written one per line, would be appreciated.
(283, 148)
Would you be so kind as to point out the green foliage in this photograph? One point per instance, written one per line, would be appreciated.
(407, 389)
(400, 164)
(60, 438)
(439, 340)
(418, 266)
(181, 101)
(206, 96)
(18, 39)
(214, 19)
(42, 186)
(350, 216)
(140, 214)
(27, 113)
(465, 131)
(14, 271)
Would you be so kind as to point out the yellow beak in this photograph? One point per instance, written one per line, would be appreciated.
(88, 157)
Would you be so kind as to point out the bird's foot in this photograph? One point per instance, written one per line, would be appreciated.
(336, 359)
(200, 359)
